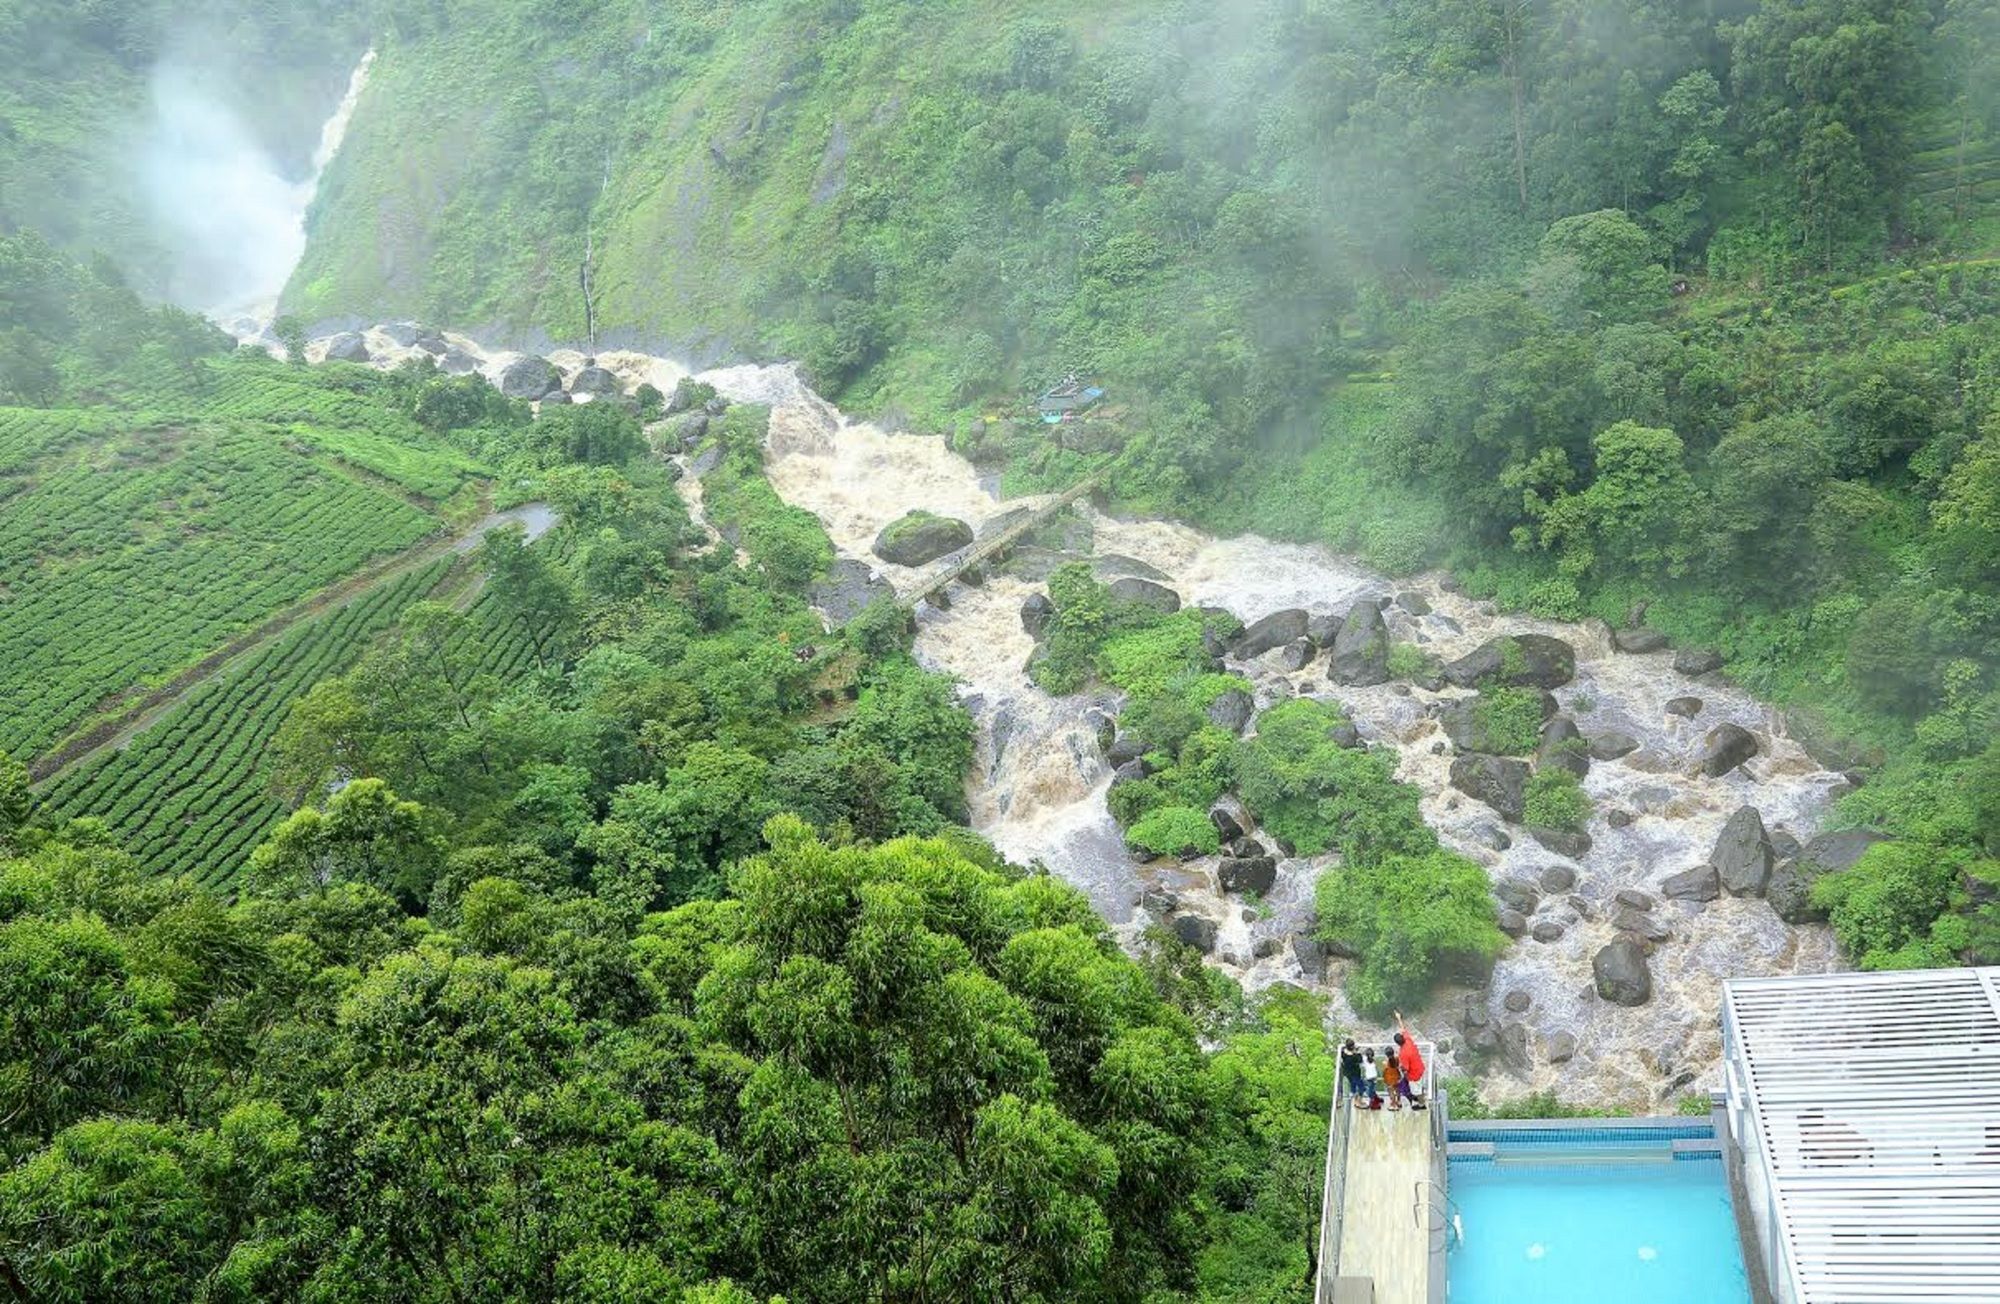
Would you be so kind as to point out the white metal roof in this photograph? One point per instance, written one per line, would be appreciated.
(1875, 1098)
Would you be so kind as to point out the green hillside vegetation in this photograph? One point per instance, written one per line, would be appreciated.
(1629, 303)
(605, 932)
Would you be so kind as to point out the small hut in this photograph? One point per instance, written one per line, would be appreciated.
(1068, 400)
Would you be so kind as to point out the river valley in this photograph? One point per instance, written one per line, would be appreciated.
(1039, 784)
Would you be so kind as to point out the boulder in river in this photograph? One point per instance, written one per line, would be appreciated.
(1560, 1048)
(1557, 878)
(348, 346)
(1621, 974)
(1517, 894)
(1725, 747)
(1642, 925)
(1638, 641)
(1361, 649)
(530, 377)
(1324, 628)
(848, 589)
(1563, 748)
(1273, 631)
(1693, 661)
(1634, 898)
(596, 382)
(1698, 884)
(1517, 661)
(1037, 609)
(1196, 932)
(1564, 842)
(1125, 747)
(1257, 875)
(1499, 781)
(1232, 822)
(1611, 745)
(1742, 857)
(1413, 602)
(555, 398)
(1231, 710)
(1548, 930)
(1512, 922)
(919, 537)
(1113, 565)
(1295, 655)
(1147, 593)
(1310, 954)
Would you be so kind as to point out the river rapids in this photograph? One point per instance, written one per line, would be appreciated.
(1039, 782)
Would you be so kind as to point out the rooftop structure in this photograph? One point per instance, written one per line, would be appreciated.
(1866, 1109)
(1067, 399)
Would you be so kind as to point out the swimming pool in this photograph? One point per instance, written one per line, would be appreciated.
(1586, 1214)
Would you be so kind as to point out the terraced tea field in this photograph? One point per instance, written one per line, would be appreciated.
(133, 548)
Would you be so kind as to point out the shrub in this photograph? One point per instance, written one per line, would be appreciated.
(1408, 661)
(1509, 720)
(1887, 909)
(1310, 791)
(1406, 917)
(1555, 800)
(1173, 830)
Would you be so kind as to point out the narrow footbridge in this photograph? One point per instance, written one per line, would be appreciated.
(948, 571)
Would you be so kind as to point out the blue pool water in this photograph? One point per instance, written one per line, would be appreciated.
(1603, 1218)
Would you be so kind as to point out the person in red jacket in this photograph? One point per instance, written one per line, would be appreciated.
(1410, 1059)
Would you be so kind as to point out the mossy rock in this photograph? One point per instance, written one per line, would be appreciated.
(920, 537)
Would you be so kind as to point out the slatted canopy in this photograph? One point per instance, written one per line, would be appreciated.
(1875, 1102)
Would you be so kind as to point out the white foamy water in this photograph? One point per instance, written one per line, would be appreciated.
(1038, 785)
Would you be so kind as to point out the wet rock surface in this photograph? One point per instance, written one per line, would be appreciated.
(1742, 857)
(1725, 747)
(1361, 650)
(1499, 781)
(918, 538)
(1621, 975)
(1145, 592)
(1270, 632)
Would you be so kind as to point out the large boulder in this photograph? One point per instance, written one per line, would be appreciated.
(1611, 745)
(1742, 857)
(1621, 974)
(348, 346)
(1517, 894)
(1638, 640)
(1295, 656)
(1310, 955)
(1701, 883)
(1499, 781)
(1323, 629)
(919, 537)
(1697, 661)
(1273, 631)
(1361, 649)
(1147, 593)
(1036, 611)
(1232, 821)
(1196, 932)
(1687, 708)
(1573, 843)
(1537, 661)
(1259, 875)
(1231, 710)
(596, 382)
(530, 377)
(1725, 747)
(1563, 748)
(849, 588)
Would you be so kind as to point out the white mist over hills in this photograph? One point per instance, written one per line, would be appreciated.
(225, 207)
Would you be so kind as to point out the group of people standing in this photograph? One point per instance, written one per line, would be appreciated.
(1393, 1077)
